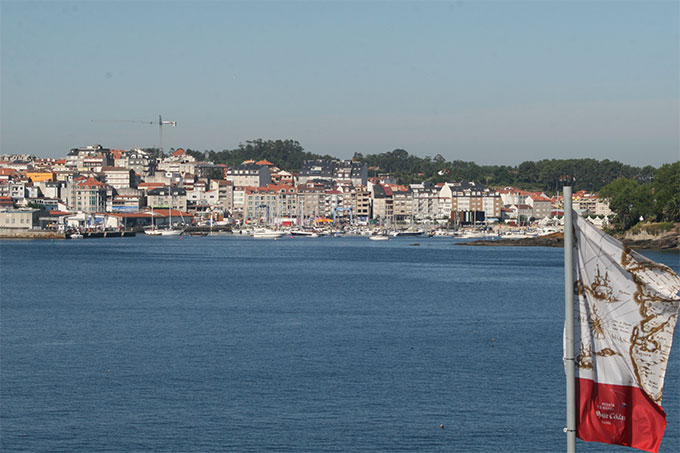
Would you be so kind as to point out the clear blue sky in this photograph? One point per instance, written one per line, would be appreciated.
(490, 82)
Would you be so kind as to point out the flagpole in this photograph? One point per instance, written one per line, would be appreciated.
(569, 321)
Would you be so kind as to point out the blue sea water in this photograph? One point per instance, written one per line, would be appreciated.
(329, 344)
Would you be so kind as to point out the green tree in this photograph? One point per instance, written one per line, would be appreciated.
(154, 153)
(666, 186)
(629, 200)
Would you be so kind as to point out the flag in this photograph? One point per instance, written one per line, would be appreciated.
(625, 310)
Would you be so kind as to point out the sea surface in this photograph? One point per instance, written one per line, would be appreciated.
(295, 345)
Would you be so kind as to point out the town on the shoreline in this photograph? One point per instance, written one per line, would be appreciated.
(96, 188)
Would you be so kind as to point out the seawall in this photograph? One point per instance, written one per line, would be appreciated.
(31, 234)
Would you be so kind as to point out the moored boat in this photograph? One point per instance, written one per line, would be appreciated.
(407, 233)
(304, 233)
(264, 233)
(171, 232)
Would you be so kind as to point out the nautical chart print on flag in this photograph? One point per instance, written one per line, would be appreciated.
(625, 310)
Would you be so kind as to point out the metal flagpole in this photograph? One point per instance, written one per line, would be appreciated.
(569, 321)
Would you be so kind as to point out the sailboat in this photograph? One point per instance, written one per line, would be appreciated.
(153, 231)
(170, 231)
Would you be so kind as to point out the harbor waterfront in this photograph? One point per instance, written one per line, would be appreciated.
(231, 343)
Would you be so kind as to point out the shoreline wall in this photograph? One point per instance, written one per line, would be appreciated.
(31, 234)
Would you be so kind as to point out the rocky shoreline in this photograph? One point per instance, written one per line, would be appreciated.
(666, 241)
(550, 240)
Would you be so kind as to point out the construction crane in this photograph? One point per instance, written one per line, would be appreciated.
(160, 123)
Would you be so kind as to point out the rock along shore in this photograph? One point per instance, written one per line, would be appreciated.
(667, 241)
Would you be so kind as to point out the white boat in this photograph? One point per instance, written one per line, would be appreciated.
(303, 233)
(518, 235)
(474, 234)
(404, 233)
(76, 236)
(171, 232)
(153, 231)
(379, 237)
(264, 233)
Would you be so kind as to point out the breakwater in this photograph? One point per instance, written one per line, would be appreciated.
(30, 234)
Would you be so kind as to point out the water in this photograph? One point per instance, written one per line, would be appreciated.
(329, 344)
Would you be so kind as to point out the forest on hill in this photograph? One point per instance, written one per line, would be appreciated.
(546, 175)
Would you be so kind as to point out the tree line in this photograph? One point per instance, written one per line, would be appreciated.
(546, 175)
(657, 200)
(286, 154)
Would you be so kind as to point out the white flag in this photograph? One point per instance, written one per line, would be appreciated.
(625, 309)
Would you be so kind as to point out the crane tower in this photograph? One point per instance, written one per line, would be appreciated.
(160, 123)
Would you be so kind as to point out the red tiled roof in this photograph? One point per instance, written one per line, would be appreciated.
(117, 153)
(264, 162)
(179, 152)
(90, 182)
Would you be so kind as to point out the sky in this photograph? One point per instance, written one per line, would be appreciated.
(497, 83)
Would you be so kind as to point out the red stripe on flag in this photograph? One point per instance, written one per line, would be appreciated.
(617, 414)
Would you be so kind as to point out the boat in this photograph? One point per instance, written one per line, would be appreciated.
(303, 233)
(474, 234)
(153, 231)
(265, 233)
(518, 235)
(405, 233)
(76, 236)
(171, 231)
(379, 237)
